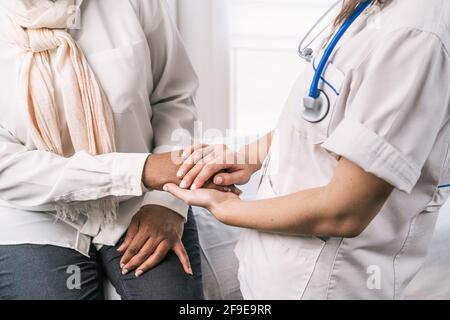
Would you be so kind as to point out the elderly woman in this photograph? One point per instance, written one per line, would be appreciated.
(88, 90)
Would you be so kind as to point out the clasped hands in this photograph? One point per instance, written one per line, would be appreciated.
(209, 174)
(200, 175)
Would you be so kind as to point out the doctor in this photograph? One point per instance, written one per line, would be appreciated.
(355, 173)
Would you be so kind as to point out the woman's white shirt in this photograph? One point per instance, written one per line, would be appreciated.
(388, 84)
(139, 59)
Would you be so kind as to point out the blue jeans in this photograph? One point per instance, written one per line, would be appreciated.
(43, 272)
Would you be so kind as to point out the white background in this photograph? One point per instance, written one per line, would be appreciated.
(245, 52)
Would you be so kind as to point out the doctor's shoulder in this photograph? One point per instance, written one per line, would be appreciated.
(430, 16)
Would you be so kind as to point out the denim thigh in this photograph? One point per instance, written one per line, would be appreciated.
(44, 272)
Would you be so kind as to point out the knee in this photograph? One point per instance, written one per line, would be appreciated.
(167, 281)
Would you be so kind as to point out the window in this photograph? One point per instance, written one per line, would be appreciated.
(264, 62)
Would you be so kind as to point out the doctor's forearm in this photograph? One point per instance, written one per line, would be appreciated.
(255, 153)
(303, 213)
(343, 208)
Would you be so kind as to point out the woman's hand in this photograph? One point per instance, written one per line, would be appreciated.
(153, 232)
(213, 200)
(161, 169)
(217, 162)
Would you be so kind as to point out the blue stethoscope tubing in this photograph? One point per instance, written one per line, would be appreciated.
(317, 104)
(315, 110)
(314, 90)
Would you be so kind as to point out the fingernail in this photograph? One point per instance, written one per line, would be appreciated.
(194, 187)
(190, 271)
(183, 185)
(180, 174)
(139, 273)
(124, 272)
(227, 189)
(166, 188)
(122, 265)
(218, 180)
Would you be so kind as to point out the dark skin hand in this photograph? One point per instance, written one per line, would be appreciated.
(153, 232)
(160, 168)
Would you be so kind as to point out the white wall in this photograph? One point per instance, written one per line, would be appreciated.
(244, 53)
(264, 62)
(204, 27)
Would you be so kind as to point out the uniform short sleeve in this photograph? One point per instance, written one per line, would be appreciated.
(396, 108)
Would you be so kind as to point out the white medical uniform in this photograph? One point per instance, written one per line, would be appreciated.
(388, 82)
(137, 55)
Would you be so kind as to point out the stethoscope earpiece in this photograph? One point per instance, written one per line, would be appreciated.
(316, 109)
(307, 54)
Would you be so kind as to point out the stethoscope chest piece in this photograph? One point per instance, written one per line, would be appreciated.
(317, 104)
(316, 109)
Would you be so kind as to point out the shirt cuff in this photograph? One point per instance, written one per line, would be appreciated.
(355, 142)
(166, 200)
(127, 172)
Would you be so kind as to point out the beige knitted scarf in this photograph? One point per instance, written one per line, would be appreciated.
(49, 54)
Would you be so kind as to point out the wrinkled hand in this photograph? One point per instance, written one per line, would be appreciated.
(153, 232)
(216, 163)
(161, 169)
(212, 200)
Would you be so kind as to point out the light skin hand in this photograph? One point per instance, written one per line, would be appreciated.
(205, 162)
(212, 200)
(161, 169)
(153, 232)
(218, 163)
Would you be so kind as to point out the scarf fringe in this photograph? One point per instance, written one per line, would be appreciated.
(107, 209)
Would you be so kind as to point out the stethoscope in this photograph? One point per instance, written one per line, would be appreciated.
(317, 104)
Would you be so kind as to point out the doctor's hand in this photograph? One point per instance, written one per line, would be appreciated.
(213, 200)
(153, 232)
(161, 169)
(216, 163)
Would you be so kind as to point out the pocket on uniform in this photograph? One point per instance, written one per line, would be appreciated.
(331, 85)
(275, 267)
